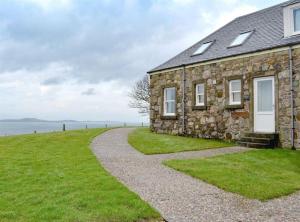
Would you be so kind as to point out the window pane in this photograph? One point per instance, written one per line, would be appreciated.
(241, 39)
(200, 89)
(170, 107)
(236, 85)
(202, 48)
(200, 99)
(170, 93)
(265, 96)
(297, 20)
(236, 97)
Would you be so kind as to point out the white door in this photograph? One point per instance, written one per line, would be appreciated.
(264, 105)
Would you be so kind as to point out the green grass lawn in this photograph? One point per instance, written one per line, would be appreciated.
(55, 177)
(151, 143)
(259, 174)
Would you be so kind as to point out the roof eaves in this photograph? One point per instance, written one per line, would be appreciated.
(219, 58)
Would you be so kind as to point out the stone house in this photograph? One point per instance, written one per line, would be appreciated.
(239, 83)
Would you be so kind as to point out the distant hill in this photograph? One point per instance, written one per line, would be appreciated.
(33, 120)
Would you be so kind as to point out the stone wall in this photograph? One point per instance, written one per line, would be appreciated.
(159, 123)
(218, 120)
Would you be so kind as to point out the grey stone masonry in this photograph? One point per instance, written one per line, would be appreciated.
(217, 119)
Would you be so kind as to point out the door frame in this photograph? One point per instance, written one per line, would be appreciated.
(254, 87)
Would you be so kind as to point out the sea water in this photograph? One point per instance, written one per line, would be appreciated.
(16, 128)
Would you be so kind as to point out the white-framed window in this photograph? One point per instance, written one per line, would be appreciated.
(200, 94)
(203, 48)
(170, 101)
(235, 92)
(240, 39)
(296, 19)
(291, 16)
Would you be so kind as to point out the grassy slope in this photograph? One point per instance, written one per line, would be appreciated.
(260, 174)
(55, 177)
(151, 143)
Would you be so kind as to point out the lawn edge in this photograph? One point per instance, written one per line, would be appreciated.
(264, 200)
(230, 144)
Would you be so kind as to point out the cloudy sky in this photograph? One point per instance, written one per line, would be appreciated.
(74, 59)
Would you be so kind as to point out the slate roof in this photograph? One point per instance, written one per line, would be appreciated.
(268, 28)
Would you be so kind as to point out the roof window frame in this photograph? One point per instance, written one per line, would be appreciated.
(244, 41)
(210, 45)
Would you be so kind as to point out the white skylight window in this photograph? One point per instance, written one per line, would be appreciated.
(203, 48)
(240, 39)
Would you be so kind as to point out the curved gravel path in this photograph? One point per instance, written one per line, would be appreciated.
(179, 197)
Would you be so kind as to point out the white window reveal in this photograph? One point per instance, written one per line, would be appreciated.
(240, 39)
(200, 99)
(170, 101)
(291, 15)
(296, 20)
(235, 93)
(203, 48)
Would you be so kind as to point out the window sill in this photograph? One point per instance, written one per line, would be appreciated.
(169, 117)
(240, 106)
(292, 35)
(199, 107)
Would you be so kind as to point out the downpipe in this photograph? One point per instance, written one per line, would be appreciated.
(183, 100)
(292, 99)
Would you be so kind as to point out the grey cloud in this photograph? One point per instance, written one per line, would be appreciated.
(100, 40)
(53, 81)
(89, 92)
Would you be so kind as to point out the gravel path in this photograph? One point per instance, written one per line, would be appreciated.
(179, 197)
